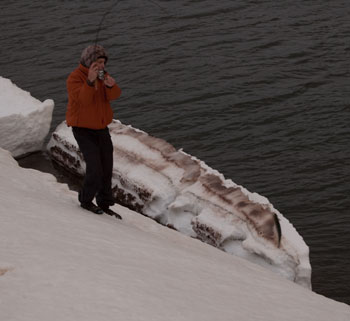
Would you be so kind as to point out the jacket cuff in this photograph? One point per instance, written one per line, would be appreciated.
(91, 84)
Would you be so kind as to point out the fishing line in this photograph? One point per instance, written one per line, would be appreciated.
(114, 5)
(159, 6)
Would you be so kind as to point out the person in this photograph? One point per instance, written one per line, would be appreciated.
(88, 113)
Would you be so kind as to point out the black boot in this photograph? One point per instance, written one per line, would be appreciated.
(112, 213)
(92, 208)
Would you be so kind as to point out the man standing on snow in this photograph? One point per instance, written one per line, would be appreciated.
(90, 91)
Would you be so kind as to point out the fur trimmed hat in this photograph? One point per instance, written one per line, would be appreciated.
(91, 54)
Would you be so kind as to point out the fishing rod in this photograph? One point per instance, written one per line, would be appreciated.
(103, 18)
(155, 3)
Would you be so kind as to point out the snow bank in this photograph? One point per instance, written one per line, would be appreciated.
(24, 120)
(60, 262)
(183, 193)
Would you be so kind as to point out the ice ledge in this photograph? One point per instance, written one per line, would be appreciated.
(182, 192)
(24, 120)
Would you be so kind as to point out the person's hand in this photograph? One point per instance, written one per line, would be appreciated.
(109, 81)
(93, 71)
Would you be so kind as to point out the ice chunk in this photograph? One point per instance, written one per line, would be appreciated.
(24, 120)
(182, 192)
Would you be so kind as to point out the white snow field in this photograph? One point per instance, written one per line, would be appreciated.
(24, 120)
(60, 262)
(176, 189)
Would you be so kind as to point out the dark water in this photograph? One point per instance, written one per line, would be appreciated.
(259, 90)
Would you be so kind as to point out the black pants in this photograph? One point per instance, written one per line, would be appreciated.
(97, 149)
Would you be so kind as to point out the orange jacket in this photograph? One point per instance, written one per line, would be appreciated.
(88, 106)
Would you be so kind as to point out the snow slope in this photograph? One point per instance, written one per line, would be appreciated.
(59, 262)
(24, 120)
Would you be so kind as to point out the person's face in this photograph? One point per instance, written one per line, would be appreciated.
(100, 63)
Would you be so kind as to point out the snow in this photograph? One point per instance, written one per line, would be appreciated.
(24, 120)
(182, 192)
(60, 262)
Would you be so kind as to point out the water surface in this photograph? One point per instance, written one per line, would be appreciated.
(257, 90)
